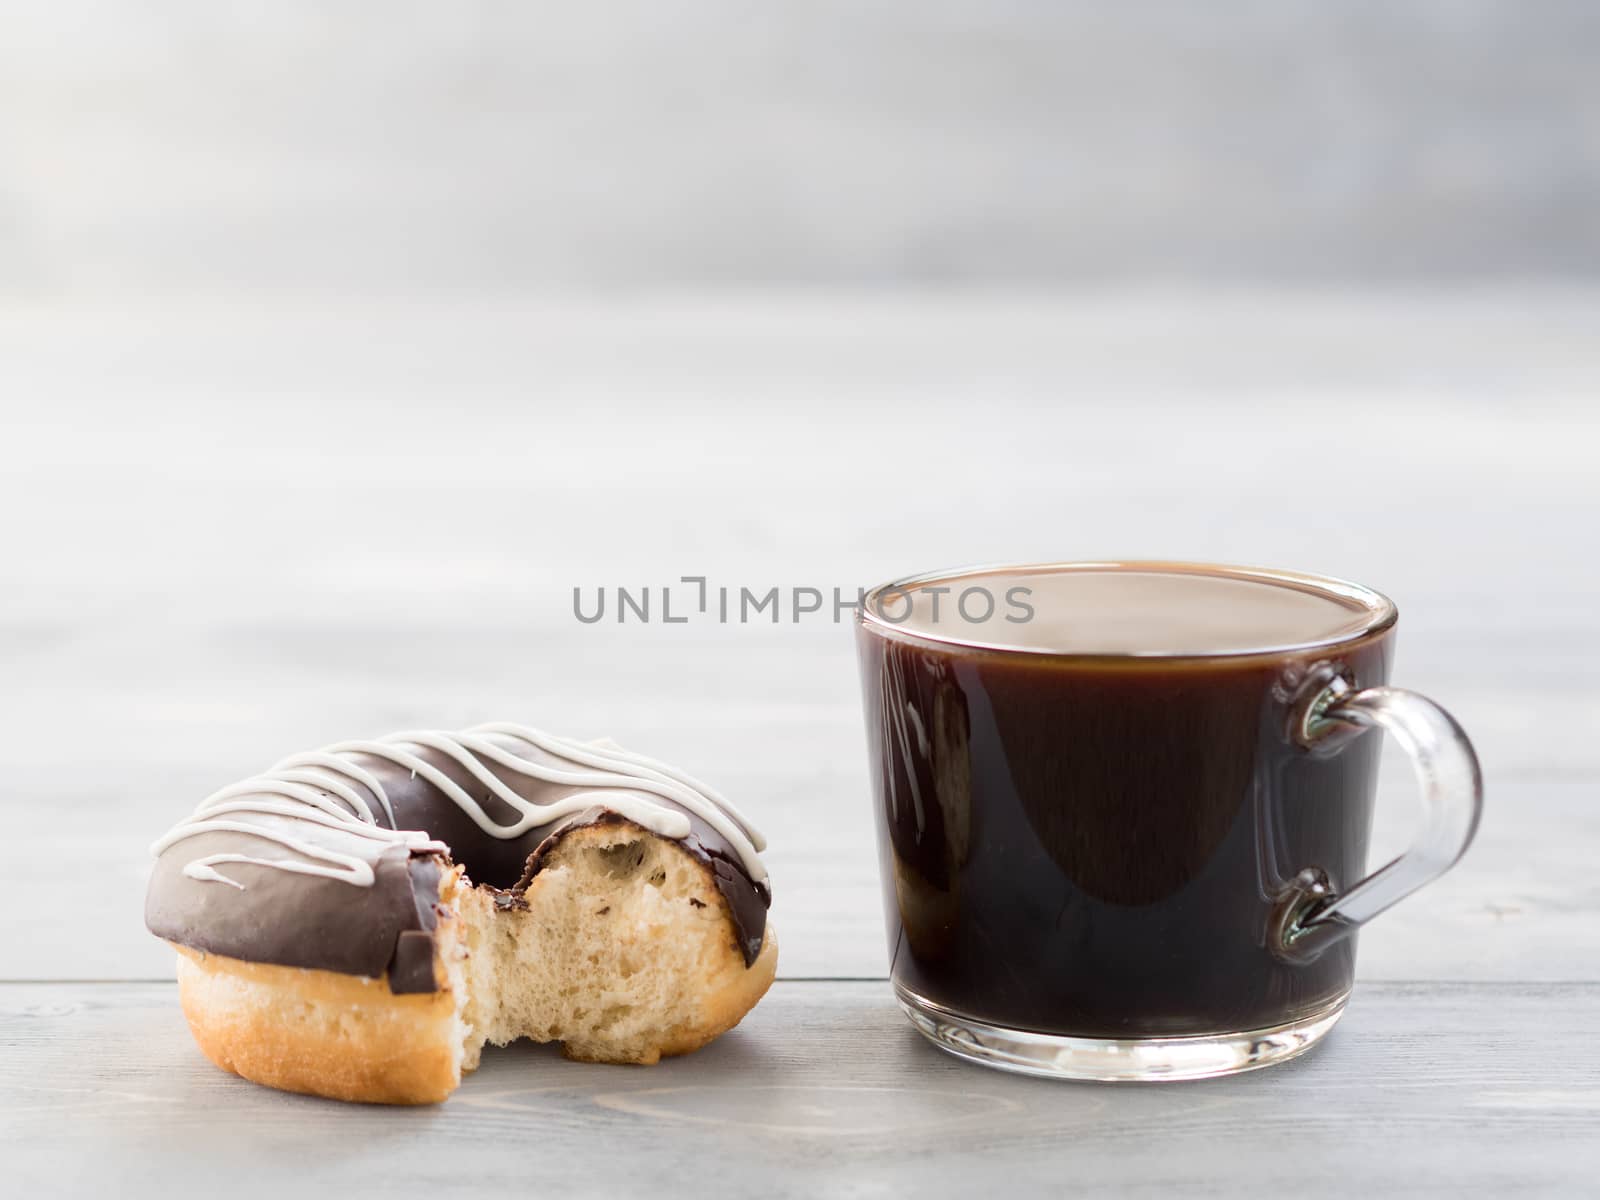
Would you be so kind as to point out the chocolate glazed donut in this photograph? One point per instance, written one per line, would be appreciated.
(406, 862)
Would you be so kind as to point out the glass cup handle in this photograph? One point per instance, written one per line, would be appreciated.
(1312, 916)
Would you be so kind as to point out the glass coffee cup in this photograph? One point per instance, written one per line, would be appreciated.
(1123, 808)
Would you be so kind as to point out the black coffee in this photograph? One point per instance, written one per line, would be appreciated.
(1087, 818)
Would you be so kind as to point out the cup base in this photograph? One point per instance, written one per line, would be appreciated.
(1117, 1060)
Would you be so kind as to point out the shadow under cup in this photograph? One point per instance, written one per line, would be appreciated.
(1102, 820)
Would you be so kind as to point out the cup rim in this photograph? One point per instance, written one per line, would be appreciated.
(1384, 612)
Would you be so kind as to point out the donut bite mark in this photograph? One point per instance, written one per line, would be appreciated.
(623, 951)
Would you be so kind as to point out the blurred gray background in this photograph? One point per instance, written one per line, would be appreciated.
(190, 145)
(340, 341)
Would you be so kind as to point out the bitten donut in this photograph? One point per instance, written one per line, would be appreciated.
(358, 921)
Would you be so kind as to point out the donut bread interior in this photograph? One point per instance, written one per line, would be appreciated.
(621, 949)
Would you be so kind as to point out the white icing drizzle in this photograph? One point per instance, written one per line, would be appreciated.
(315, 788)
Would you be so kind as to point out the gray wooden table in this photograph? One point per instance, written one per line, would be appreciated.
(231, 533)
